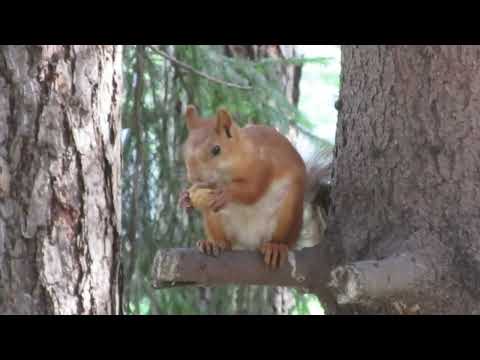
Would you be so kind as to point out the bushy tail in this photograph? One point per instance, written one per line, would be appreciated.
(317, 196)
(319, 168)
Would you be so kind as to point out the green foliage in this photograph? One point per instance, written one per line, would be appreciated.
(264, 103)
(306, 304)
(153, 175)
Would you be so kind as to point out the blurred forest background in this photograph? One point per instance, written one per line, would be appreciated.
(293, 88)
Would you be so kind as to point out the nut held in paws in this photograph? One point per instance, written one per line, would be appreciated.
(199, 197)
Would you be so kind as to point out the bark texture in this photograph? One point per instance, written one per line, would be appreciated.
(406, 184)
(60, 179)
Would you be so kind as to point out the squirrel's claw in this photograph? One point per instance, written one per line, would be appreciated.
(209, 248)
(274, 254)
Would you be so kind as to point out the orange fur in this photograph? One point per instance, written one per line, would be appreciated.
(257, 178)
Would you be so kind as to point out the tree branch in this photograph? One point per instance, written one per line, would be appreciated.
(306, 269)
(197, 72)
(187, 267)
(363, 281)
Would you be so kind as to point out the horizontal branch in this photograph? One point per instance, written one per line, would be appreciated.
(197, 72)
(189, 267)
(363, 281)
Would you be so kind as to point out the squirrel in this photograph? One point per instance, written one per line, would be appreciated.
(249, 184)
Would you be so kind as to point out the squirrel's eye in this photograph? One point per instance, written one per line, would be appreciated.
(216, 150)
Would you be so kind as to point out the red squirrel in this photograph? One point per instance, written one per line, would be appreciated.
(255, 182)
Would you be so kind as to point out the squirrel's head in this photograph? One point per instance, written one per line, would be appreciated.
(213, 146)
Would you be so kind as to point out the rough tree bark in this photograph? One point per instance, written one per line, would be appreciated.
(406, 186)
(59, 179)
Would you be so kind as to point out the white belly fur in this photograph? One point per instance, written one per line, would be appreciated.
(249, 226)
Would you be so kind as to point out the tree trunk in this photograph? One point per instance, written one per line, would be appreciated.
(406, 186)
(59, 179)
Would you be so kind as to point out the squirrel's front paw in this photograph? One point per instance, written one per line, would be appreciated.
(219, 198)
(274, 254)
(185, 202)
(210, 248)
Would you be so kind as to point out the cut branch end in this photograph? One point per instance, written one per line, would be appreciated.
(363, 281)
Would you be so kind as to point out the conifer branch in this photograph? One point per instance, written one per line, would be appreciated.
(197, 72)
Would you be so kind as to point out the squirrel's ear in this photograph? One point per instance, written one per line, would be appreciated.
(225, 123)
(191, 114)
